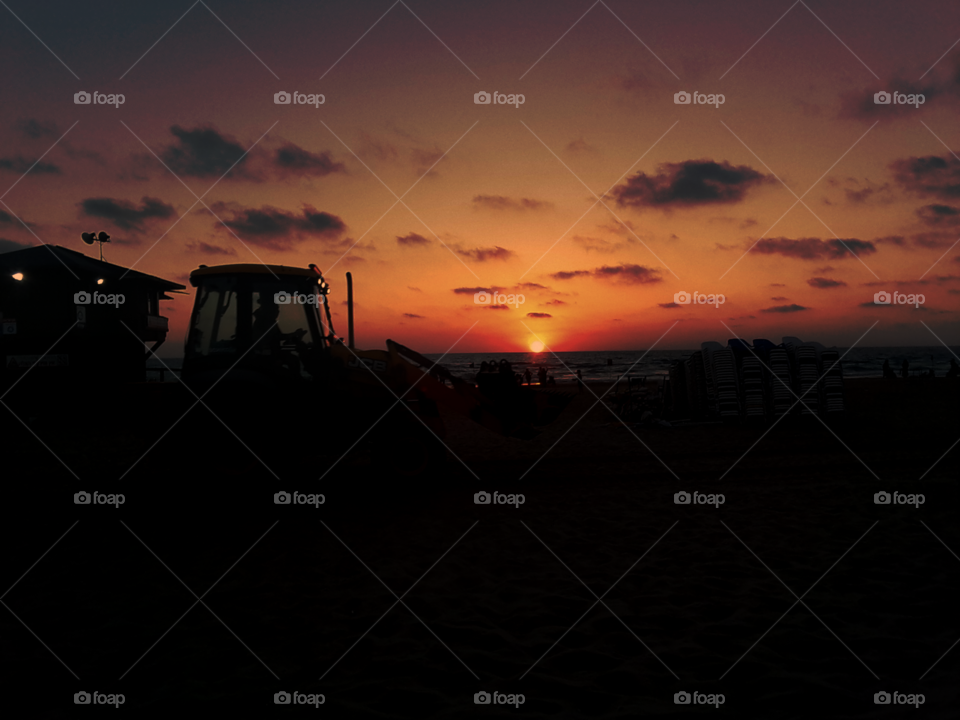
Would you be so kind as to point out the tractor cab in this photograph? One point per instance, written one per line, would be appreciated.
(252, 320)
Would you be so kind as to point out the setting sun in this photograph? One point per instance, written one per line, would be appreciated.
(536, 346)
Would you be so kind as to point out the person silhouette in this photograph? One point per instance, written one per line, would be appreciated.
(954, 370)
(527, 377)
(542, 375)
(888, 373)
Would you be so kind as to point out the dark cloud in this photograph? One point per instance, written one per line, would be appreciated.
(414, 317)
(500, 202)
(35, 129)
(629, 274)
(475, 290)
(568, 274)
(929, 176)
(294, 160)
(125, 214)
(208, 249)
(784, 308)
(580, 146)
(532, 286)
(19, 164)
(539, 315)
(689, 183)
(861, 105)
(599, 244)
(554, 302)
(202, 152)
(814, 248)
(415, 289)
(11, 245)
(484, 254)
(776, 285)
(779, 298)
(937, 214)
(669, 305)
(279, 229)
(412, 240)
(825, 283)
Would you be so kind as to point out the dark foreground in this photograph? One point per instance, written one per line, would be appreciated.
(502, 598)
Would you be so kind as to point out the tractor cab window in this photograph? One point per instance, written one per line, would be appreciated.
(214, 328)
(280, 329)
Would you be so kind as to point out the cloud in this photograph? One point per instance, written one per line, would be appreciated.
(669, 305)
(937, 214)
(861, 105)
(814, 248)
(415, 289)
(19, 164)
(11, 245)
(125, 214)
(929, 176)
(871, 191)
(554, 302)
(825, 283)
(501, 202)
(568, 274)
(203, 152)
(784, 308)
(35, 129)
(539, 315)
(580, 146)
(689, 183)
(474, 290)
(412, 240)
(629, 274)
(598, 244)
(208, 249)
(779, 298)
(414, 317)
(776, 285)
(292, 159)
(532, 286)
(484, 254)
(279, 229)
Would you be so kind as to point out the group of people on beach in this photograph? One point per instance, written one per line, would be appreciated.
(526, 378)
(889, 374)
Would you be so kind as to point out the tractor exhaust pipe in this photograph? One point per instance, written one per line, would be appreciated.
(349, 311)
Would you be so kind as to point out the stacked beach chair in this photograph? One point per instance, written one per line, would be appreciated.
(807, 376)
(832, 383)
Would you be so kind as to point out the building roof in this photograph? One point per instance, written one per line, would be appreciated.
(253, 268)
(78, 264)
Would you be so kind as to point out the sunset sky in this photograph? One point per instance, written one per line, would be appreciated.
(503, 197)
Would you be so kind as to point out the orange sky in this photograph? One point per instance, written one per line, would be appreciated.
(509, 199)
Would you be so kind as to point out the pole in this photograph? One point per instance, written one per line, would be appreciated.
(350, 311)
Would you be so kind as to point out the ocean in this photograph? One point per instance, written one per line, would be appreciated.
(611, 364)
